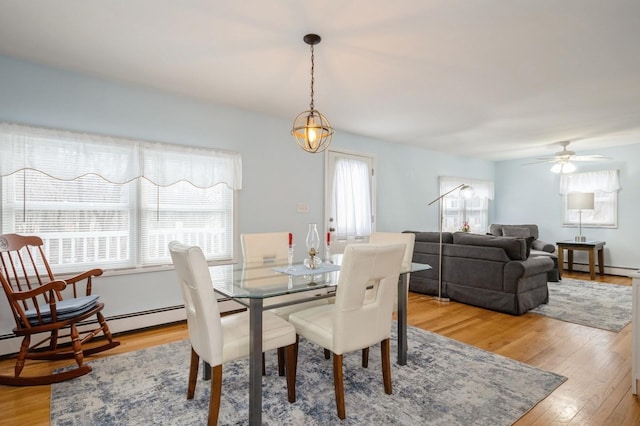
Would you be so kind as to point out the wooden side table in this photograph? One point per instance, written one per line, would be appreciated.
(592, 247)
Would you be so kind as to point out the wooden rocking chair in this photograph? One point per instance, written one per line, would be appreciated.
(35, 298)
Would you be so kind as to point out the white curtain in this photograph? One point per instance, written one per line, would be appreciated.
(603, 180)
(68, 155)
(351, 207)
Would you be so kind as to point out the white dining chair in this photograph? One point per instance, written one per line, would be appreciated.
(273, 247)
(356, 320)
(218, 339)
(408, 239)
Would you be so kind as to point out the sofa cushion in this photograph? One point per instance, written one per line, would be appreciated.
(529, 243)
(515, 231)
(433, 237)
(515, 248)
(498, 229)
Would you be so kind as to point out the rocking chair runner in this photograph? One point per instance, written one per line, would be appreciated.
(36, 300)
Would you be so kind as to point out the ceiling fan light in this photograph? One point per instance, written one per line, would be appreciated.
(563, 167)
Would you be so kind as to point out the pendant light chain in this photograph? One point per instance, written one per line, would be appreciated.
(312, 77)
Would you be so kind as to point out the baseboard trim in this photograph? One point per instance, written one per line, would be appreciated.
(609, 270)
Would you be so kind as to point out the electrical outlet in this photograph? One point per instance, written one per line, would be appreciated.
(303, 208)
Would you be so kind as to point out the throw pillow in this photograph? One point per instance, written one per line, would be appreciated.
(515, 231)
(515, 248)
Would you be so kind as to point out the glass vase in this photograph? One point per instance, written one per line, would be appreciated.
(313, 245)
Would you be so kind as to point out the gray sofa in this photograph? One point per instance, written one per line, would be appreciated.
(482, 270)
(538, 247)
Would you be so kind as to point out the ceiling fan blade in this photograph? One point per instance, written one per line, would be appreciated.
(594, 157)
(540, 161)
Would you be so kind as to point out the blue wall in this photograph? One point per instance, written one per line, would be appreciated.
(530, 194)
(277, 175)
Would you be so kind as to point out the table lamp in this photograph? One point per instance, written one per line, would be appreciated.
(580, 201)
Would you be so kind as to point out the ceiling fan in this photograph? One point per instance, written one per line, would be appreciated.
(563, 159)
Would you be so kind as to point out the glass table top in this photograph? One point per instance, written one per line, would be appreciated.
(263, 280)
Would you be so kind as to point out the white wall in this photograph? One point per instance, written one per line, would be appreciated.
(276, 173)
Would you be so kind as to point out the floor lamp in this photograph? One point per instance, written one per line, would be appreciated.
(580, 201)
(461, 187)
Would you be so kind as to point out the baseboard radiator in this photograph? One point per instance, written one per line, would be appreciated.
(10, 343)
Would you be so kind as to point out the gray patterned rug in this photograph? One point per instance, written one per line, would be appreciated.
(597, 305)
(444, 383)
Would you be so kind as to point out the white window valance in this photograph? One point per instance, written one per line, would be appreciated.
(602, 180)
(68, 155)
(483, 189)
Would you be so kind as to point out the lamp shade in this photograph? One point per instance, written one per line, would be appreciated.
(580, 200)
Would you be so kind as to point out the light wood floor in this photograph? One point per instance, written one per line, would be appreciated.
(597, 362)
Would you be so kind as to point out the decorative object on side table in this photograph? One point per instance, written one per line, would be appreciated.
(313, 245)
(580, 201)
(465, 227)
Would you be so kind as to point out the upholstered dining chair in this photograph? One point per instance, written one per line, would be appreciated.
(49, 309)
(261, 248)
(356, 320)
(408, 239)
(218, 339)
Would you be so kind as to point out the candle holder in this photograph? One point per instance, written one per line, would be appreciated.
(327, 254)
(290, 257)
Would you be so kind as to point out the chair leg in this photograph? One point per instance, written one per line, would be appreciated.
(216, 393)
(386, 365)
(365, 357)
(290, 359)
(281, 361)
(193, 374)
(264, 368)
(327, 354)
(295, 356)
(76, 344)
(338, 385)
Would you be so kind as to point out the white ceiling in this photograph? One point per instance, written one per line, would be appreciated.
(493, 79)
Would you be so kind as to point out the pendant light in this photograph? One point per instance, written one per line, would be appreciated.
(311, 129)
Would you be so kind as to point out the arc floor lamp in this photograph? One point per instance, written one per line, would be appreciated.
(461, 187)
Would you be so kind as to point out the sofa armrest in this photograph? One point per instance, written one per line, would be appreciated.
(517, 269)
(543, 246)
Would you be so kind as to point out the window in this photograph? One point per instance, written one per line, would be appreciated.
(604, 184)
(111, 203)
(460, 206)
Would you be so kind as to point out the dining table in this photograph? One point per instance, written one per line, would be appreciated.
(252, 285)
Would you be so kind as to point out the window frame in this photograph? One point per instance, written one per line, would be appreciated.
(605, 199)
(456, 205)
(38, 156)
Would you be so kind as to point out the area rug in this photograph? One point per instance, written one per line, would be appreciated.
(444, 383)
(597, 305)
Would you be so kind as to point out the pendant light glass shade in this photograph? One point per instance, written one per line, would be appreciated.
(312, 130)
